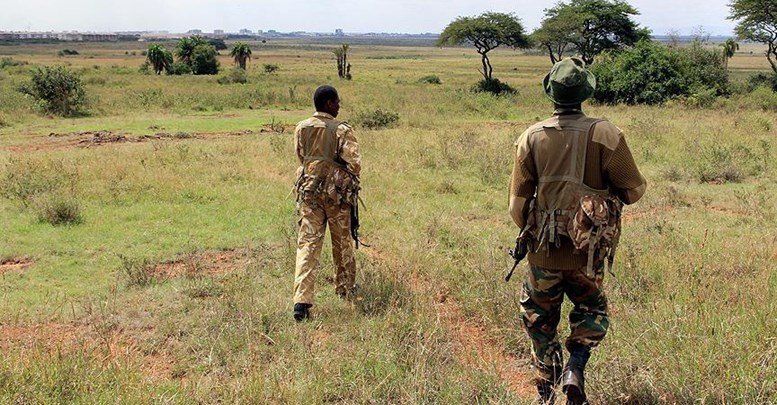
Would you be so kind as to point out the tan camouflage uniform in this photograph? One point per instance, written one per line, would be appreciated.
(330, 165)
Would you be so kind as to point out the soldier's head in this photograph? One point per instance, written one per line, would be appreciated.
(326, 100)
(569, 83)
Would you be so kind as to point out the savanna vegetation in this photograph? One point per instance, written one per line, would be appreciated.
(148, 242)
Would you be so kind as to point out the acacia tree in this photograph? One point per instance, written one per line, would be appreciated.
(241, 52)
(159, 57)
(486, 32)
(757, 21)
(590, 26)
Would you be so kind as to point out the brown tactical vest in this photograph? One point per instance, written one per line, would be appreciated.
(560, 176)
(323, 171)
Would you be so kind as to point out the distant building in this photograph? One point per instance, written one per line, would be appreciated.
(259, 32)
(194, 32)
(339, 32)
(245, 31)
(218, 32)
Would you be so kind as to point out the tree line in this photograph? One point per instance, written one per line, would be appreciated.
(195, 55)
(605, 29)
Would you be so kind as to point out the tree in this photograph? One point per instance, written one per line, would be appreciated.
(159, 58)
(203, 60)
(590, 26)
(343, 67)
(486, 32)
(185, 48)
(218, 43)
(555, 36)
(241, 52)
(730, 47)
(56, 89)
(198, 54)
(757, 21)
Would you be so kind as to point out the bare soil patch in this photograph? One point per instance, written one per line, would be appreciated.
(15, 264)
(203, 263)
(88, 338)
(90, 139)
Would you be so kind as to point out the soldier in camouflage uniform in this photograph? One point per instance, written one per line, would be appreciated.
(327, 187)
(557, 161)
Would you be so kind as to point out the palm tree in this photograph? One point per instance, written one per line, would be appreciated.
(241, 52)
(159, 57)
(730, 47)
(185, 48)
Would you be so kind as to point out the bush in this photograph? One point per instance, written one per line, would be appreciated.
(236, 75)
(431, 79)
(377, 119)
(650, 73)
(137, 272)
(270, 68)
(179, 69)
(56, 90)
(9, 62)
(67, 52)
(760, 80)
(763, 98)
(204, 60)
(58, 210)
(494, 86)
(218, 44)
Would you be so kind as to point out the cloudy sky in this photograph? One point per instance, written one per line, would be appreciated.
(662, 16)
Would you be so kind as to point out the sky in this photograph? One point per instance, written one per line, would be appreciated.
(355, 16)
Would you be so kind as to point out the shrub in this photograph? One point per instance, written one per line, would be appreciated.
(9, 62)
(218, 44)
(179, 69)
(67, 52)
(430, 79)
(56, 90)
(377, 119)
(58, 210)
(137, 272)
(650, 73)
(235, 75)
(203, 61)
(763, 98)
(755, 81)
(270, 68)
(494, 86)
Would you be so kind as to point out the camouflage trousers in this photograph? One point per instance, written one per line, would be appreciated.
(315, 214)
(541, 299)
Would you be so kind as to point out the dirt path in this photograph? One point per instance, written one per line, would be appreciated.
(474, 347)
(91, 139)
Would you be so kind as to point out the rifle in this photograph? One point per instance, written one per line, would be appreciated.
(355, 223)
(517, 253)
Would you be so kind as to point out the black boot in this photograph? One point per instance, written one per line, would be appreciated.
(572, 379)
(547, 393)
(547, 389)
(301, 311)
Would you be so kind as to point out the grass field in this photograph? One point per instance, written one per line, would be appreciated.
(174, 285)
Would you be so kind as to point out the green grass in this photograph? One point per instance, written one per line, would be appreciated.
(693, 300)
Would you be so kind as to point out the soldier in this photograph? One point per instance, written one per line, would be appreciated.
(569, 169)
(327, 189)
